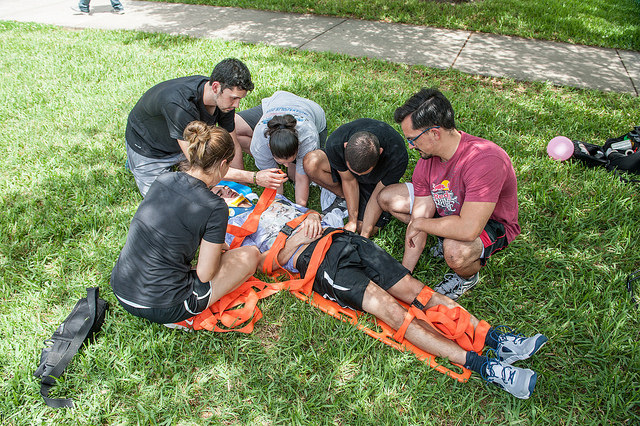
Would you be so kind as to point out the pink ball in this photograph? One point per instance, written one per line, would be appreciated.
(560, 148)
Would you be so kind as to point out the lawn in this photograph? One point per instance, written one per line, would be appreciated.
(67, 200)
(605, 23)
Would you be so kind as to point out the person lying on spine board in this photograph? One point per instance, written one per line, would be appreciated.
(358, 274)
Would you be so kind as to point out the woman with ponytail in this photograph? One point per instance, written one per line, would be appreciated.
(154, 277)
(281, 131)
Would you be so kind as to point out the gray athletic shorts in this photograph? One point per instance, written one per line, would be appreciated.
(145, 170)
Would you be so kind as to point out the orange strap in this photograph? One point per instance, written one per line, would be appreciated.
(251, 224)
(422, 298)
(380, 331)
(238, 310)
(454, 324)
(277, 246)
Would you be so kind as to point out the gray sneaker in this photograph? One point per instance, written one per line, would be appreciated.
(437, 251)
(514, 347)
(519, 382)
(454, 286)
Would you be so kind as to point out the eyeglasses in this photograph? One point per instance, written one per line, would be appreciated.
(412, 140)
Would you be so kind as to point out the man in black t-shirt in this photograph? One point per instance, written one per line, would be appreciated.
(359, 160)
(155, 125)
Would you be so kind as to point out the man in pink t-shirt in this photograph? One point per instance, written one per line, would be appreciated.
(464, 191)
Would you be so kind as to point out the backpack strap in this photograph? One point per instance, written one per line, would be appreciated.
(49, 380)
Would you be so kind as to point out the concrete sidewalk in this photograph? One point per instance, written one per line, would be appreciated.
(470, 52)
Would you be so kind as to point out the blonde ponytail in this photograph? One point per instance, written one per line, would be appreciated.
(208, 146)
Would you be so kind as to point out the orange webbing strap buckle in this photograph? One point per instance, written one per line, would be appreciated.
(453, 324)
(416, 308)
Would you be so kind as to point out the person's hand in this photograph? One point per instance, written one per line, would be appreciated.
(270, 178)
(300, 237)
(311, 226)
(412, 231)
(352, 225)
(225, 247)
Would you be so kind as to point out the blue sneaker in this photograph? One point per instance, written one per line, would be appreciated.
(519, 382)
(514, 347)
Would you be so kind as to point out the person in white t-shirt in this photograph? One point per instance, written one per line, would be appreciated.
(281, 131)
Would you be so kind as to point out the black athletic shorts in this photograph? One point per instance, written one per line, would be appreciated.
(350, 264)
(252, 116)
(494, 238)
(197, 302)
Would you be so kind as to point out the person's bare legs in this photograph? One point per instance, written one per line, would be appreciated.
(408, 288)
(382, 305)
(242, 143)
(236, 266)
(317, 167)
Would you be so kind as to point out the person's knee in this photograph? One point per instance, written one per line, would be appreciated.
(439, 299)
(392, 199)
(457, 254)
(249, 256)
(386, 199)
(313, 163)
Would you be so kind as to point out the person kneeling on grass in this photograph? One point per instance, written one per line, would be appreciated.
(153, 277)
(358, 274)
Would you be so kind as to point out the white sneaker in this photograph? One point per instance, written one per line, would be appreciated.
(331, 202)
(326, 198)
(186, 325)
(77, 11)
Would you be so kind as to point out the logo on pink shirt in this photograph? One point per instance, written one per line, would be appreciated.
(443, 196)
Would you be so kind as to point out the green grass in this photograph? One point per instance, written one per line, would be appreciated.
(67, 202)
(605, 23)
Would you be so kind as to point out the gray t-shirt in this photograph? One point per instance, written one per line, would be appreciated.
(311, 121)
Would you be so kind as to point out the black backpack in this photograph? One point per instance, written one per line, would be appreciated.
(84, 321)
(617, 154)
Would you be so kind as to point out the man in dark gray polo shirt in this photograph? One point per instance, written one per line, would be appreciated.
(155, 125)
